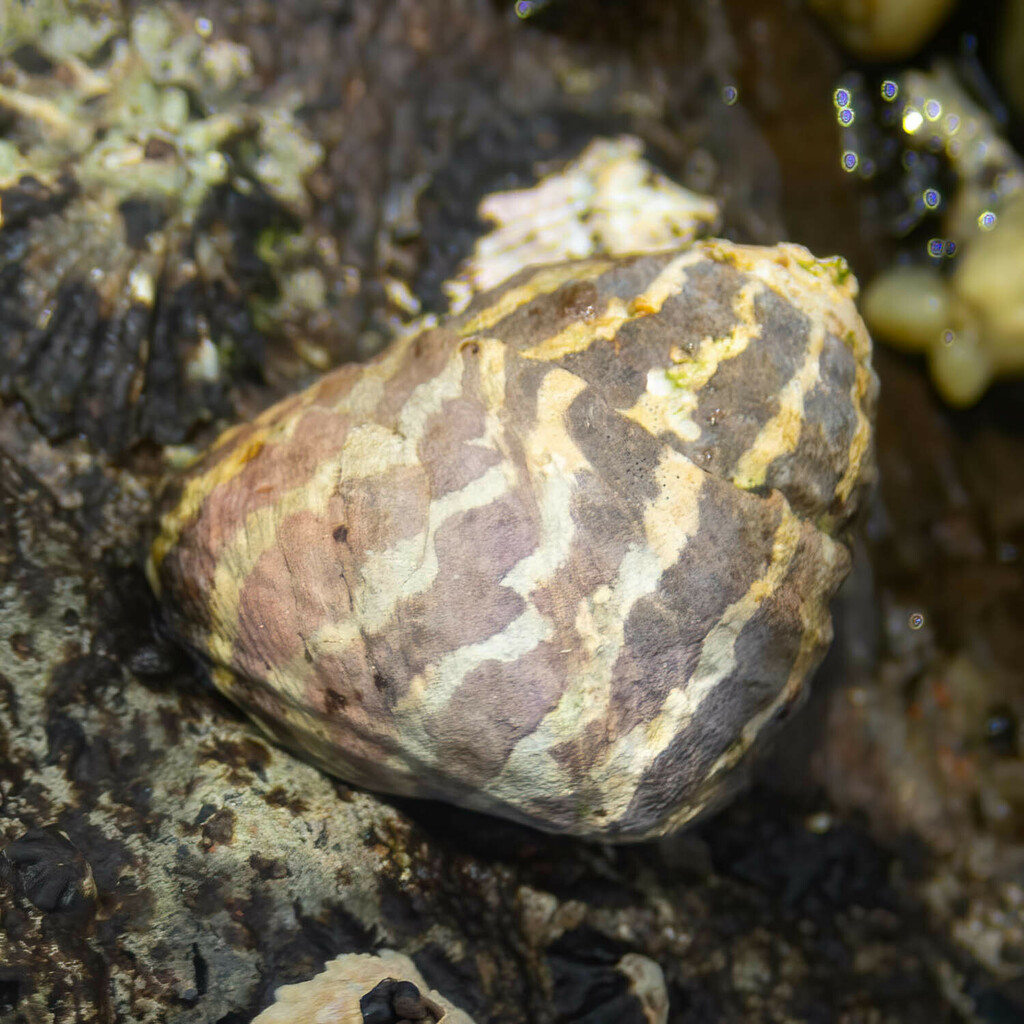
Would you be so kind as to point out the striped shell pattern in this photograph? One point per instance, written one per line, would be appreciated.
(564, 558)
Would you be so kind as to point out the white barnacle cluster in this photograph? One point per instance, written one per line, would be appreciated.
(608, 201)
(352, 986)
(335, 994)
(126, 121)
(966, 314)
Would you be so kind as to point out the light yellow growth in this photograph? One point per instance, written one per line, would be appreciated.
(907, 306)
(971, 324)
(671, 517)
(549, 448)
(822, 289)
(883, 29)
(938, 116)
(989, 279)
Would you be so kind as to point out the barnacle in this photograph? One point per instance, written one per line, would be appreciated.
(345, 991)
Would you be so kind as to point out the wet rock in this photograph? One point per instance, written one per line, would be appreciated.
(812, 922)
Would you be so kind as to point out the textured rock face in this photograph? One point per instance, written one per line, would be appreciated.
(562, 558)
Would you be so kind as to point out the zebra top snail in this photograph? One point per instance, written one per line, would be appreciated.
(564, 558)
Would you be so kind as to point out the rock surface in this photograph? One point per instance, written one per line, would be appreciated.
(223, 868)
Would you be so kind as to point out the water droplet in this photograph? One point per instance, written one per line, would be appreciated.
(916, 620)
(912, 120)
(819, 824)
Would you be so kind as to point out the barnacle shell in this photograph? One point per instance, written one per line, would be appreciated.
(334, 995)
(609, 201)
(883, 29)
(562, 558)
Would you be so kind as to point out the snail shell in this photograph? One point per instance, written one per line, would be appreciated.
(564, 558)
